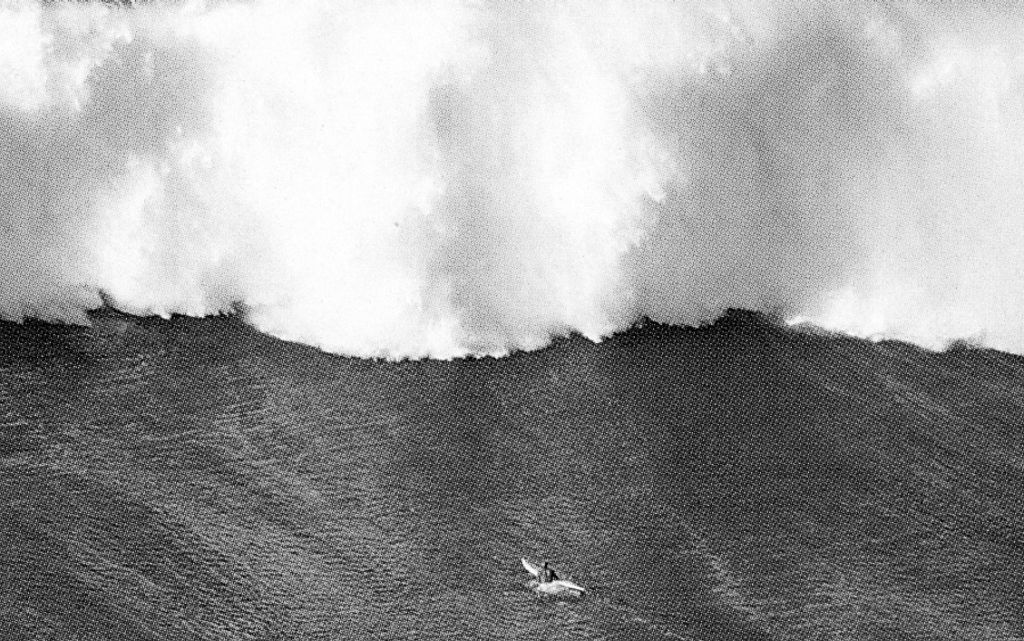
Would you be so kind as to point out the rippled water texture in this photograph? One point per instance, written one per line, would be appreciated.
(191, 479)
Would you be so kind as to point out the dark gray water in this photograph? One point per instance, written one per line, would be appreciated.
(193, 479)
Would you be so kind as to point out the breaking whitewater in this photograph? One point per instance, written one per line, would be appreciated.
(439, 179)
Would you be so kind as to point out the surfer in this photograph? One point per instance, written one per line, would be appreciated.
(547, 581)
(547, 574)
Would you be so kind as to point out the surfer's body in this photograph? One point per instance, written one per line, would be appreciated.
(547, 574)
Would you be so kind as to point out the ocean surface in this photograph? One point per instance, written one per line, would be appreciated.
(196, 479)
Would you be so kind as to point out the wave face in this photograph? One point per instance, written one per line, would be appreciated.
(409, 179)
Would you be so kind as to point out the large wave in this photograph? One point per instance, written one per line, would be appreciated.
(408, 179)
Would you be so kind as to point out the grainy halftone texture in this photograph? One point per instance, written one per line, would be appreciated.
(194, 479)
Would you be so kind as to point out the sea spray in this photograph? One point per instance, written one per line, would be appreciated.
(409, 179)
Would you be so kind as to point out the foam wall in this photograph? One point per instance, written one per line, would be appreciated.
(410, 179)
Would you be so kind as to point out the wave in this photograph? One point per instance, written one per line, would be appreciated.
(409, 179)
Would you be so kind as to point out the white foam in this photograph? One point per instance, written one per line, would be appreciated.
(408, 179)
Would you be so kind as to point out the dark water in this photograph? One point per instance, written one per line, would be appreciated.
(193, 479)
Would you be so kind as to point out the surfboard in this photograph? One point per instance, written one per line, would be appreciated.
(531, 568)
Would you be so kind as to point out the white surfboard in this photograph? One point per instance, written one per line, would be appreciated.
(531, 568)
